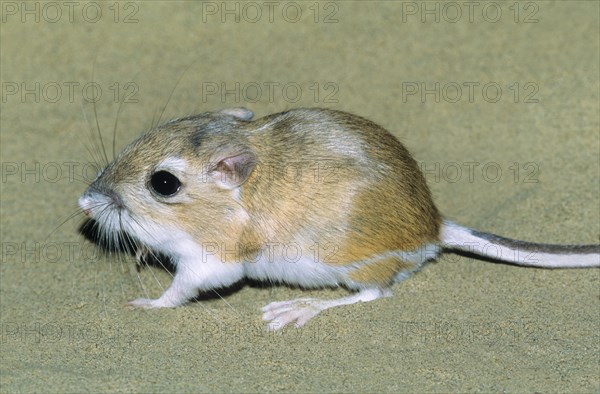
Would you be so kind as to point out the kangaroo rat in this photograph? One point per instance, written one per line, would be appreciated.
(309, 197)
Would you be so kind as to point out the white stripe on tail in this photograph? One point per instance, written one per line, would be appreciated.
(523, 253)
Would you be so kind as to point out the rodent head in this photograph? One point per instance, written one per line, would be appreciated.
(180, 179)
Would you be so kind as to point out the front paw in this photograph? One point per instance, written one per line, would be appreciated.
(147, 303)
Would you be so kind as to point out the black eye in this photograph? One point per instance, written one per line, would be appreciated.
(165, 183)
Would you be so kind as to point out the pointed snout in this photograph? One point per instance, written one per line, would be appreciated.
(85, 204)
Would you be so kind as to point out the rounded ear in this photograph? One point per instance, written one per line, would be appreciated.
(230, 168)
(240, 113)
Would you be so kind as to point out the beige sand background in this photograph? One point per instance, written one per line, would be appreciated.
(459, 325)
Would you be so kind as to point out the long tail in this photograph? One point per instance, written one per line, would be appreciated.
(523, 253)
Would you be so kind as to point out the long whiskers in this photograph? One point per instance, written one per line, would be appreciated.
(121, 233)
(171, 95)
(96, 118)
(115, 128)
(94, 151)
(75, 213)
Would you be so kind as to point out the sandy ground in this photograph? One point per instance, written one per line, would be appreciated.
(510, 143)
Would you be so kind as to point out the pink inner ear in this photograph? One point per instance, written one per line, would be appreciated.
(233, 171)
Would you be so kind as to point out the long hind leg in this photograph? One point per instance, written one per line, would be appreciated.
(372, 278)
(301, 310)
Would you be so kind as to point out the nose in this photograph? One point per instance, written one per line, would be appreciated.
(85, 205)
